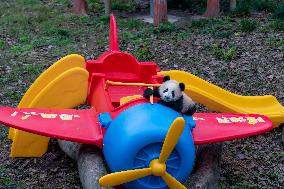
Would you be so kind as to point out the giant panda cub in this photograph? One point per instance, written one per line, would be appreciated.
(172, 95)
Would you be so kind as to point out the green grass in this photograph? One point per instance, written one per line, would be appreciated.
(130, 23)
(102, 42)
(25, 38)
(96, 6)
(277, 25)
(247, 25)
(239, 182)
(126, 36)
(33, 69)
(2, 44)
(219, 28)
(273, 176)
(279, 12)
(43, 41)
(35, 33)
(13, 95)
(222, 75)
(123, 5)
(201, 23)
(226, 54)
(264, 5)
(278, 154)
(164, 28)
(183, 35)
(18, 49)
(144, 53)
(243, 185)
(103, 19)
(23, 72)
(6, 181)
(245, 7)
(33, 25)
(275, 42)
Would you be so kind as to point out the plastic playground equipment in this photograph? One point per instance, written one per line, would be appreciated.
(145, 145)
(218, 99)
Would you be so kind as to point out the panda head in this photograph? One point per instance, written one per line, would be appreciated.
(171, 90)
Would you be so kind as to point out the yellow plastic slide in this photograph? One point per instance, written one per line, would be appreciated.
(218, 99)
(62, 85)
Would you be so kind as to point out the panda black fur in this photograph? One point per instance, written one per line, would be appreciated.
(172, 95)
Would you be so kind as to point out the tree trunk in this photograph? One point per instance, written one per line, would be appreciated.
(107, 7)
(80, 7)
(213, 8)
(233, 5)
(160, 12)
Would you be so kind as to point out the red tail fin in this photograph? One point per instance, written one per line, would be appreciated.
(113, 37)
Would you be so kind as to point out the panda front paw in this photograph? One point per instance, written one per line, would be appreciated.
(148, 92)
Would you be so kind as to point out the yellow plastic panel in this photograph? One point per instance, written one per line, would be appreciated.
(126, 99)
(62, 65)
(218, 99)
(66, 91)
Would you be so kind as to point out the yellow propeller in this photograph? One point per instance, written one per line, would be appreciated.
(157, 167)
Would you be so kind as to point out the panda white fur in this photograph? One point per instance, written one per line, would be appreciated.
(172, 95)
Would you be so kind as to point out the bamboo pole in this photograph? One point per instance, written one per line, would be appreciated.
(134, 85)
(130, 84)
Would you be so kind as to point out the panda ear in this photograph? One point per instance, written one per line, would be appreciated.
(182, 86)
(166, 78)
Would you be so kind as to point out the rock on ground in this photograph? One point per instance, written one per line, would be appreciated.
(90, 162)
(91, 165)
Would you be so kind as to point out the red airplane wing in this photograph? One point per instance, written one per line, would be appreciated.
(68, 124)
(211, 127)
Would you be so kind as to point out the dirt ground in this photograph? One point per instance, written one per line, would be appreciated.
(34, 34)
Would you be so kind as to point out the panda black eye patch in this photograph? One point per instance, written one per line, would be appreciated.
(166, 90)
(173, 93)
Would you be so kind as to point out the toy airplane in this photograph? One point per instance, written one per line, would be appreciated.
(145, 145)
